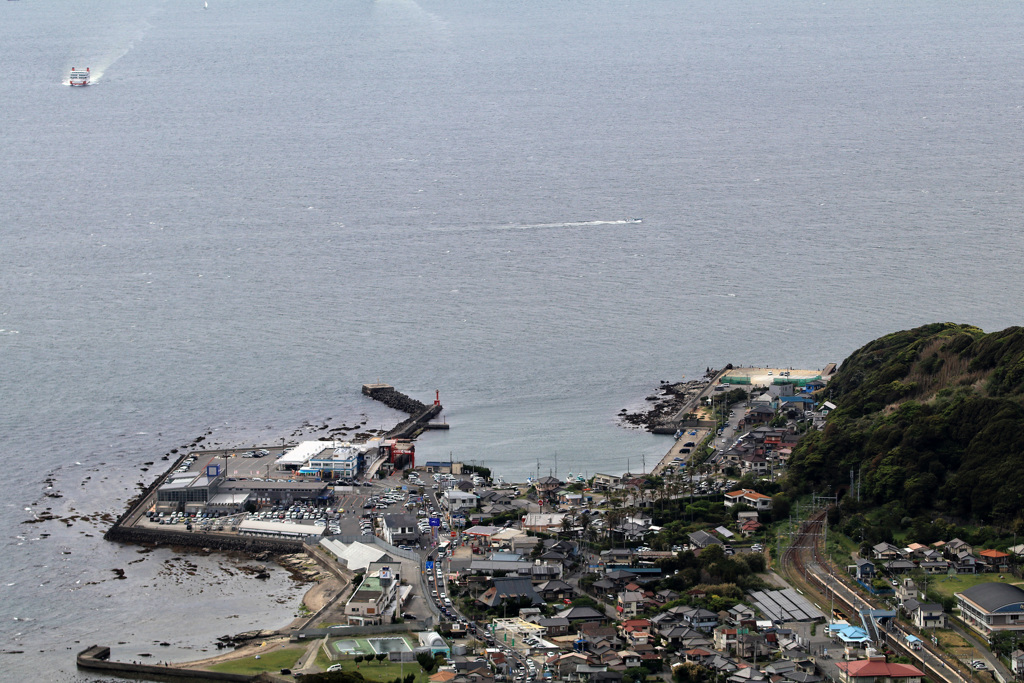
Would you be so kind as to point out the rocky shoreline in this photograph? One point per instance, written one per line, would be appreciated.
(664, 404)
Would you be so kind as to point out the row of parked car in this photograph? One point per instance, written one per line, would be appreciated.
(186, 463)
(207, 521)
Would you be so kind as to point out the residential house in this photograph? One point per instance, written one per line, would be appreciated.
(751, 645)
(702, 539)
(684, 637)
(925, 614)
(699, 618)
(749, 527)
(965, 563)
(746, 674)
(724, 638)
(523, 543)
(565, 665)
(906, 590)
(618, 555)
(900, 566)
(629, 658)
(994, 560)
(400, 529)
(758, 414)
(863, 569)
(756, 500)
(699, 655)
(754, 464)
(639, 638)
(876, 669)
(603, 482)
(556, 626)
(458, 502)
(629, 603)
(955, 547)
(577, 615)
(509, 588)
(740, 612)
(1017, 663)
(555, 590)
(548, 522)
(599, 638)
(621, 577)
(630, 531)
(934, 566)
(886, 551)
(548, 484)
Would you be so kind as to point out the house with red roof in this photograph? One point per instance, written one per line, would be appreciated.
(994, 560)
(750, 526)
(756, 500)
(877, 670)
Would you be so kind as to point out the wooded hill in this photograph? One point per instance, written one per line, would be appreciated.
(932, 418)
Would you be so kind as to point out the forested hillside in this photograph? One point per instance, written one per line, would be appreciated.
(931, 417)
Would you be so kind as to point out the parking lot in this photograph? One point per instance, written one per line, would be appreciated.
(236, 464)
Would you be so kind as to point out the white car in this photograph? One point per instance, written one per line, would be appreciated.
(334, 667)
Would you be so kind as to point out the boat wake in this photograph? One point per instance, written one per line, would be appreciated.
(100, 64)
(572, 224)
(545, 226)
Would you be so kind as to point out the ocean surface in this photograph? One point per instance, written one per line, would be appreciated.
(259, 206)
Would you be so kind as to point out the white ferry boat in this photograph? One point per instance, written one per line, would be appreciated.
(79, 77)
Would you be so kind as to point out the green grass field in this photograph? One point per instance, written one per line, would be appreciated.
(322, 661)
(948, 585)
(386, 671)
(271, 661)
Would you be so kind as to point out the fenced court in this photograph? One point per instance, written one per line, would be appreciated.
(351, 647)
(391, 644)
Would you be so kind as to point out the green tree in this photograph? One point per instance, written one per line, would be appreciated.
(427, 661)
(1005, 642)
(381, 656)
(636, 674)
(689, 672)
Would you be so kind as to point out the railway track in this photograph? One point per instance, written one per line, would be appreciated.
(802, 563)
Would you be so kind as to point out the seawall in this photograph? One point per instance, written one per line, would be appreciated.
(247, 544)
(96, 658)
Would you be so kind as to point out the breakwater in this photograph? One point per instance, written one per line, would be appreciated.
(392, 398)
(187, 539)
(420, 413)
(97, 658)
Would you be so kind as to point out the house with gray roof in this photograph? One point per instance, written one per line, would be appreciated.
(702, 539)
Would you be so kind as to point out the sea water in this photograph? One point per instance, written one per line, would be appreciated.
(259, 206)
